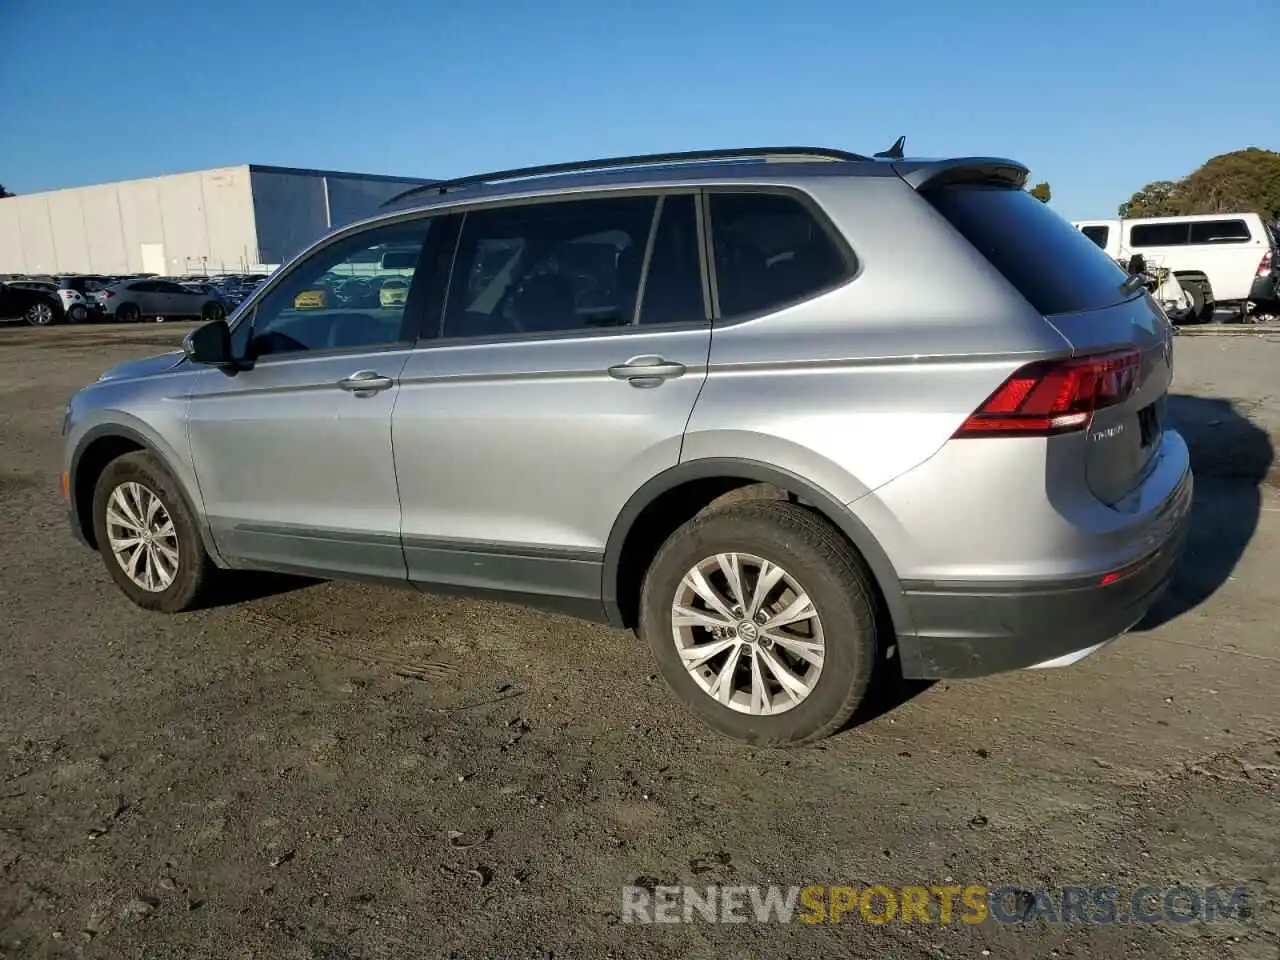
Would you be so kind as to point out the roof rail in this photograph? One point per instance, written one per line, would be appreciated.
(639, 160)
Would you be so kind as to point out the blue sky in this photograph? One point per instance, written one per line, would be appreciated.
(1096, 97)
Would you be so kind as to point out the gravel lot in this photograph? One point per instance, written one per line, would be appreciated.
(278, 777)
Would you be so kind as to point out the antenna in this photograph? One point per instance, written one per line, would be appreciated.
(894, 152)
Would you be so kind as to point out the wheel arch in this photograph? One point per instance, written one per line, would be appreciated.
(100, 446)
(677, 494)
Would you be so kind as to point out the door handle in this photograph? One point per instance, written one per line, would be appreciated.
(646, 371)
(365, 381)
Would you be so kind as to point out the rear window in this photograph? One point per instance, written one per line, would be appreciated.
(1051, 263)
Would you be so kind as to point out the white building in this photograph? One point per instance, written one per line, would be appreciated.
(232, 219)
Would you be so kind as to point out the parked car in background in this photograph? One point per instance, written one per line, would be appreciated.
(208, 289)
(35, 302)
(76, 296)
(134, 300)
(34, 283)
(1221, 259)
(858, 466)
(393, 292)
(313, 299)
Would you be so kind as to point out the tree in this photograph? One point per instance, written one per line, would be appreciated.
(1244, 181)
(1159, 199)
(1041, 192)
(4, 192)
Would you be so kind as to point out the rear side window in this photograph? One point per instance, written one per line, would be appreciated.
(1097, 234)
(1220, 231)
(1051, 263)
(1160, 234)
(770, 251)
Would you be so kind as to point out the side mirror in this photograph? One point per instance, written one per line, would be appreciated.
(210, 344)
(1137, 264)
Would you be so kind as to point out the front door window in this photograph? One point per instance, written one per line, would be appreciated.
(349, 295)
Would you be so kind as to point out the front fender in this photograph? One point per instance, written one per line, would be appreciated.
(89, 428)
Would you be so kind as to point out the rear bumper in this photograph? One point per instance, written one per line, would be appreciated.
(970, 629)
(1265, 289)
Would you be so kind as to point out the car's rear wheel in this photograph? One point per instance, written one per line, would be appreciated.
(128, 313)
(762, 618)
(1201, 296)
(39, 314)
(78, 313)
(147, 535)
(212, 311)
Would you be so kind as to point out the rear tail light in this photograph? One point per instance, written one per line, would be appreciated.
(1264, 265)
(1055, 396)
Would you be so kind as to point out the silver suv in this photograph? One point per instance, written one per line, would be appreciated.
(789, 413)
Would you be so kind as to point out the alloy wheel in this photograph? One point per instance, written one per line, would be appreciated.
(142, 536)
(748, 633)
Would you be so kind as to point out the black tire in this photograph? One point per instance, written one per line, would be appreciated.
(212, 311)
(195, 571)
(78, 313)
(1201, 295)
(128, 313)
(826, 568)
(40, 314)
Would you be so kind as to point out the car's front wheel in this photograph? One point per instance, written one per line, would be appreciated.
(762, 618)
(147, 535)
(212, 311)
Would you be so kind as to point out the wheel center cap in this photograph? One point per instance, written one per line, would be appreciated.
(748, 632)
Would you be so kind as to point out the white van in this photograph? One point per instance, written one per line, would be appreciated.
(1227, 258)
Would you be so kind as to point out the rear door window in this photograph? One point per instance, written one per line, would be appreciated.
(1051, 263)
(770, 251)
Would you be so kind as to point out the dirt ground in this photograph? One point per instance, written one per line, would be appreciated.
(330, 771)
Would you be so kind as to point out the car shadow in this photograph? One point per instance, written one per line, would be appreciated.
(245, 585)
(1232, 458)
(888, 689)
